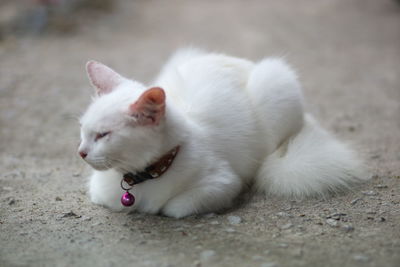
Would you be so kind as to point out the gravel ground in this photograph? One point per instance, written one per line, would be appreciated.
(348, 55)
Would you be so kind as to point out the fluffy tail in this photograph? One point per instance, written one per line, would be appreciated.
(312, 162)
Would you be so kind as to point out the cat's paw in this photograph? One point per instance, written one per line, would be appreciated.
(179, 207)
(108, 203)
(178, 211)
(104, 191)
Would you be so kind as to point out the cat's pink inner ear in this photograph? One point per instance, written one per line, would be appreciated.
(149, 109)
(103, 78)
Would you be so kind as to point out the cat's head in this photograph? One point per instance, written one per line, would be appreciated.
(122, 128)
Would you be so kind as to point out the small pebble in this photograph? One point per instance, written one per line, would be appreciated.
(257, 258)
(370, 193)
(58, 199)
(276, 235)
(347, 228)
(11, 201)
(286, 226)
(76, 174)
(332, 222)
(380, 186)
(360, 257)
(214, 222)
(371, 212)
(234, 219)
(70, 214)
(381, 219)
(336, 216)
(207, 255)
(269, 264)
(354, 201)
(230, 230)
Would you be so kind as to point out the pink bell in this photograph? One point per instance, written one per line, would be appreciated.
(127, 199)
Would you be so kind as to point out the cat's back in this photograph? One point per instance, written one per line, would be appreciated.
(195, 78)
(213, 69)
(192, 59)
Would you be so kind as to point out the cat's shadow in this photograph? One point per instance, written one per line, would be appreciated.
(243, 203)
(240, 202)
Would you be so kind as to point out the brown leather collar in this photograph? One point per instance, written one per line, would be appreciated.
(153, 171)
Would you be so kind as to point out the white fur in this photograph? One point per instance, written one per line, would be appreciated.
(236, 121)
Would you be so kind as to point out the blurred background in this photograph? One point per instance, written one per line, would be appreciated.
(347, 54)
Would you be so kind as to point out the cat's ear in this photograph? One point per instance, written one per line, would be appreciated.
(149, 109)
(103, 78)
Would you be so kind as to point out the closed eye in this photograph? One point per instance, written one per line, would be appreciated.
(101, 135)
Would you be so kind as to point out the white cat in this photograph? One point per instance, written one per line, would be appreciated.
(234, 122)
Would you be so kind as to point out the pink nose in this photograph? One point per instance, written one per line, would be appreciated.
(83, 154)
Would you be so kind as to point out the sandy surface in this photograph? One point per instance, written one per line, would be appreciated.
(348, 55)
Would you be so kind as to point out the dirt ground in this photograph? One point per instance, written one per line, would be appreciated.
(347, 53)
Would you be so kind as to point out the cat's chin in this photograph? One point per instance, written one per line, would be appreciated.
(99, 168)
